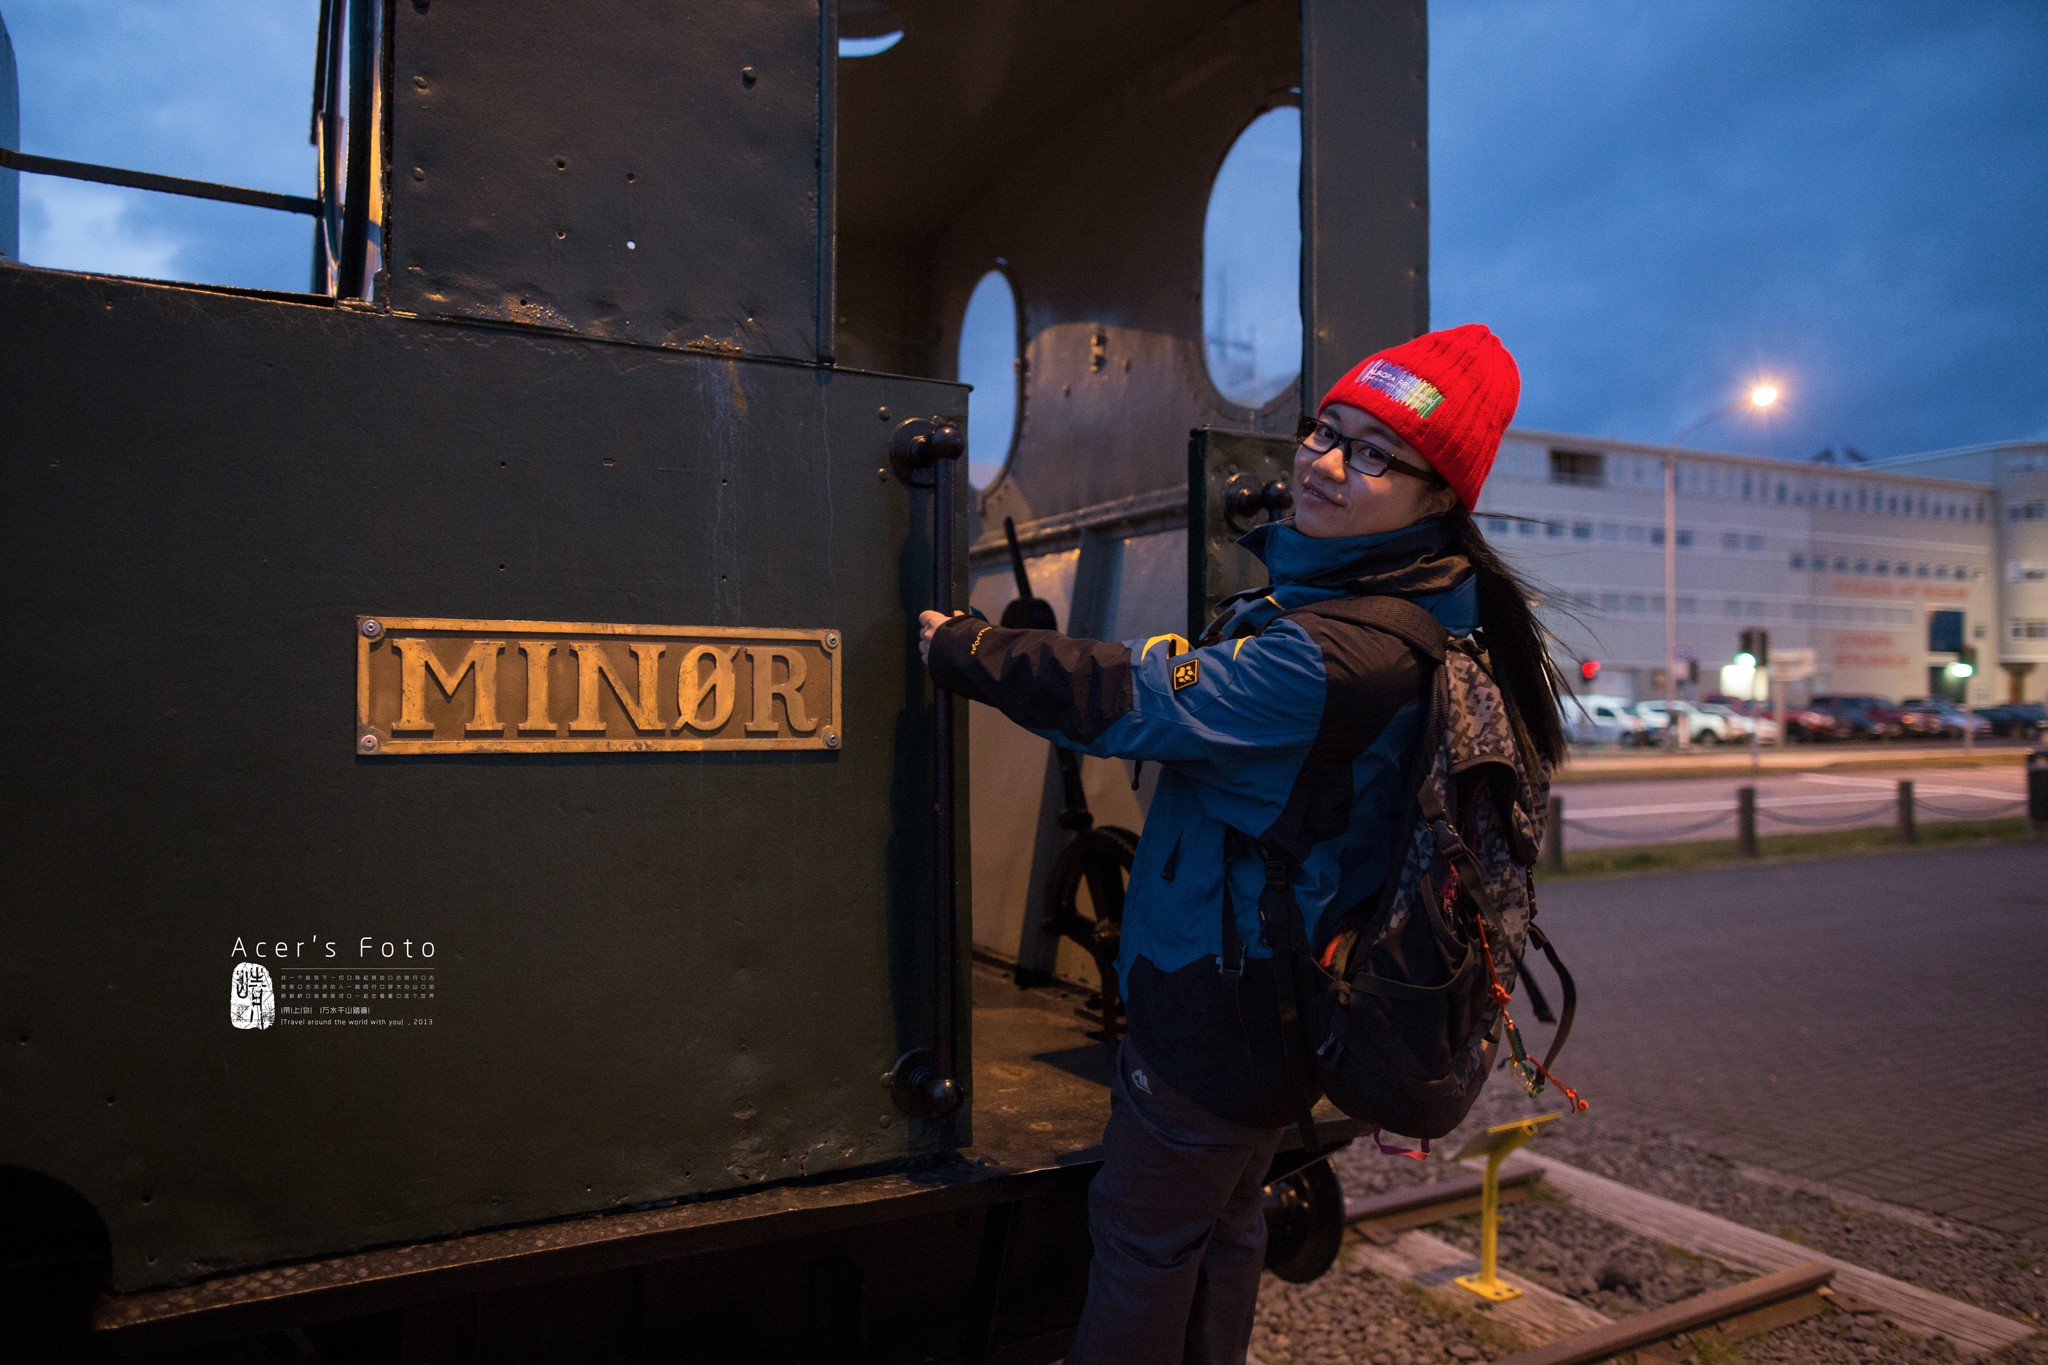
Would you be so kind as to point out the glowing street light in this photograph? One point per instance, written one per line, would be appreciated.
(1960, 669)
(1760, 397)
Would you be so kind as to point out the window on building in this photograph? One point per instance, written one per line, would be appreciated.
(1637, 535)
(1941, 571)
(1862, 566)
(1684, 538)
(1609, 531)
(1656, 535)
(1884, 568)
(1731, 540)
(1525, 528)
(1610, 601)
(1962, 572)
(1578, 468)
(1781, 492)
(1841, 564)
(1754, 544)
(1636, 602)
(1496, 526)
(1798, 560)
(1919, 571)
(1582, 530)
(2029, 630)
(1554, 529)
(1688, 605)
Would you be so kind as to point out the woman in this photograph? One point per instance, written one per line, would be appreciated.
(1276, 727)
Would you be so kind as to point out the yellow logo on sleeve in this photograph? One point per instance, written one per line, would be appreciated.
(1186, 673)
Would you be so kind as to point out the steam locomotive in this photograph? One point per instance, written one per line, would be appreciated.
(488, 877)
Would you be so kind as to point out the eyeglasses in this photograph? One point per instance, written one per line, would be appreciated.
(1360, 455)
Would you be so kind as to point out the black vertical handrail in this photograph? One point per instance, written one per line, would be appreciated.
(926, 1080)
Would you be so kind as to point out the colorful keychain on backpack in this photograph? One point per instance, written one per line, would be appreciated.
(1529, 1073)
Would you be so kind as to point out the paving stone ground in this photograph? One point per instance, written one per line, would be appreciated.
(1872, 1023)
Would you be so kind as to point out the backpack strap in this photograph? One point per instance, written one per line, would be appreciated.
(1279, 909)
(1397, 616)
(1280, 917)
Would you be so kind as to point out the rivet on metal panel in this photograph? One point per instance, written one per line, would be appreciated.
(1098, 351)
(632, 246)
(419, 82)
(371, 627)
(561, 234)
(630, 177)
(831, 639)
(882, 473)
(831, 738)
(882, 413)
(419, 173)
(368, 744)
(1066, 390)
(561, 164)
(748, 75)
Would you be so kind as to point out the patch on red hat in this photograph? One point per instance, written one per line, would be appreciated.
(1405, 387)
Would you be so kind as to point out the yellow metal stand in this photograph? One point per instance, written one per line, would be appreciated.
(1494, 1144)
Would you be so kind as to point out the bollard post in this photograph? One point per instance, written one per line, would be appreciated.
(1745, 821)
(2037, 793)
(1553, 836)
(1907, 833)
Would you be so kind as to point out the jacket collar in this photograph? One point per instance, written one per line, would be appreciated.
(1412, 561)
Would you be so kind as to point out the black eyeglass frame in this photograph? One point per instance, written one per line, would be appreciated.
(1361, 456)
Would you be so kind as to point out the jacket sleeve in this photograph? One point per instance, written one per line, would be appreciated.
(1261, 696)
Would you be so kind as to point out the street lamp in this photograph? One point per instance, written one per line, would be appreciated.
(1760, 397)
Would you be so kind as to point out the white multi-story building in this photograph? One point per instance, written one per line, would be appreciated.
(1885, 571)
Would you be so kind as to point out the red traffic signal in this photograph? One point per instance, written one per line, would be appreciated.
(1589, 669)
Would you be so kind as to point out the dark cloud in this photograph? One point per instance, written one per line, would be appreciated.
(1655, 203)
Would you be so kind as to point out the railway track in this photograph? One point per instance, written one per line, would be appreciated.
(1784, 1283)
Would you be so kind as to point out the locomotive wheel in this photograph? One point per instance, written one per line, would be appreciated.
(1304, 1222)
(1100, 860)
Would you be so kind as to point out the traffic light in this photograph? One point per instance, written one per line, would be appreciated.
(1589, 669)
(1757, 645)
(1966, 663)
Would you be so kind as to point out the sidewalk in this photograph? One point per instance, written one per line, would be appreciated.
(1622, 765)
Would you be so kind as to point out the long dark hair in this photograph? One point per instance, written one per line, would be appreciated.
(1517, 642)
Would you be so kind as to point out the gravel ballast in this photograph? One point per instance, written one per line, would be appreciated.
(1358, 1318)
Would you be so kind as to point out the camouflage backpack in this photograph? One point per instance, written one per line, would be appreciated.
(1396, 1011)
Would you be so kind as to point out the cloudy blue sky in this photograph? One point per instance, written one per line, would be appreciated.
(1653, 202)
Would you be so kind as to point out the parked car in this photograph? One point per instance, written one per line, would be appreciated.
(1807, 723)
(1930, 718)
(2015, 719)
(1704, 727)
(1797, 722)
(1862, 717)
(1598, 719)
(1951, 720)
(1740, 723)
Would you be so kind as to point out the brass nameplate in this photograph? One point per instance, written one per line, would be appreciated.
(433, 686)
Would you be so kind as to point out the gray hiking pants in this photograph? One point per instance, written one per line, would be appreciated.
(1178, 1221)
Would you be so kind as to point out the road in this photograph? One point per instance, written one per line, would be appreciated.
(1610, 814)
(1865, 1022)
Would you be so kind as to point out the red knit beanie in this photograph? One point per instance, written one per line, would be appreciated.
(1449, 394)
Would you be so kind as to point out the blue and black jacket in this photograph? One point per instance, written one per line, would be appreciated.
(1292, 729)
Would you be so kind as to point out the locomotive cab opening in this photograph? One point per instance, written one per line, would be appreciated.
(1092, 214)
(489, 869)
